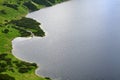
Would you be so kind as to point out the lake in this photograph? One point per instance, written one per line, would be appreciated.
(82, 41)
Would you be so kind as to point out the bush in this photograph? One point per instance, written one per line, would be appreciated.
(2, 69)
(42, 2)
(2, 11)
(24, 69)
(47, 78)
(6, 77)
(2, 56)
(30, 6)
(22, 32)
(34, 64)
(3, 65)
(28, 23)
(14, 6)
(25, 64)
(8, 61)
(5, 31)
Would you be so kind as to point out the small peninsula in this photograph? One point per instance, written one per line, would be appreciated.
(13, 23)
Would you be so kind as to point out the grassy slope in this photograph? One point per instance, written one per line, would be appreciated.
(9, 64)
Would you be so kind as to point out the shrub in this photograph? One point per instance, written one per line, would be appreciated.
(2, 69)
(14, 6)
(5, 31)
(47, 78)
(2, 64)
(6, 77)
(2, 11)
(24, 69)
(30, 6)
(42, 2)
(2, 56)
(28, 23)
(22, 32)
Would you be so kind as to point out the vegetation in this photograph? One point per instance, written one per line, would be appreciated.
(47, 78)
(26, 26)
(6, 77)
(13, 24)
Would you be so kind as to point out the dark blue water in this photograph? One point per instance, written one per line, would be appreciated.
(82, 41)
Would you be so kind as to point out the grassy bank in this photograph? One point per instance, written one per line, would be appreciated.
(13, 24)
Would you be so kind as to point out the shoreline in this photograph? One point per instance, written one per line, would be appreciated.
(28, 38)
(14, 24)
(20, 39)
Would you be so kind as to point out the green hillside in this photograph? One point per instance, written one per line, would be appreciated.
(13, 23)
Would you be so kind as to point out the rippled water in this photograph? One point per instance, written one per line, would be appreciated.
(82, 41)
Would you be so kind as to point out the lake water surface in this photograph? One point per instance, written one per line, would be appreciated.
(82, 41)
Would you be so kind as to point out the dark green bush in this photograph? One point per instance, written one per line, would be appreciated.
(6, 77)
(14, 6)
(30, 6)
(8, 61)
(28, 23)
(2, 69)
(3, 64)
(23, 33)
(5, 31)
(2, 56)
(24, 69)
(2, 11)
(42, 2)
(25, 64)
(39, 33)
(48, 78)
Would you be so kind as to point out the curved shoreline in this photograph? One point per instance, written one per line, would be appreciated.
(20, 39)
(13, 25)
